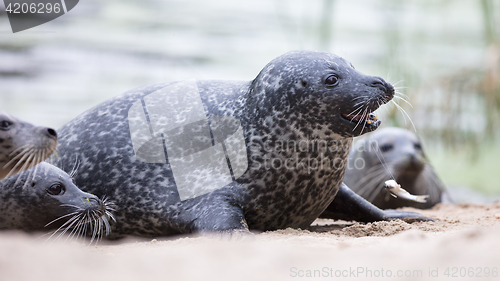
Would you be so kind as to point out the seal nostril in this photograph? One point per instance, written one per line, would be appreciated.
(95, 201)
(414, 160)
(379, 83)
(52, 132)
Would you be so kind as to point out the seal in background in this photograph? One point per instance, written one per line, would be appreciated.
(403, 156)
(23, 145)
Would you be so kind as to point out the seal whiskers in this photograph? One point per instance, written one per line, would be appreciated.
(403, 99)
(95, 219)
(27, 157)
(375, 191)
(404, 113)
(73, 171)
(22, 160)
(365, 185)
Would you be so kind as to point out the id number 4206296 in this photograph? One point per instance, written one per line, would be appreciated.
(471, 272)
(33, 8)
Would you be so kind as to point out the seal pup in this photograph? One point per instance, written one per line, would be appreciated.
(23, 145)
(301, 96)
(404, 159)
(51, 201)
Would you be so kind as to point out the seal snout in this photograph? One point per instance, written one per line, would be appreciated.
(94, 202)
(378, 83)
(381, 84)
(372, 93)
(91, 214)
(412, 163)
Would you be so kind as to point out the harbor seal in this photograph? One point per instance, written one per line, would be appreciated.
(281, 121)
(23, 145)
(51, 201)
(404, 159)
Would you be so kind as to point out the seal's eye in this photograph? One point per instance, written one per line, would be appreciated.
(56, 189)
(332, 80)
(417, 146)
(386, 147)
(5, 125)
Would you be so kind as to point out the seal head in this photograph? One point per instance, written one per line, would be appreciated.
(50, 200)
(320, 88)
(23, 145)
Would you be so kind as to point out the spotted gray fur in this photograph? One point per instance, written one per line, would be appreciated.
(288, 101)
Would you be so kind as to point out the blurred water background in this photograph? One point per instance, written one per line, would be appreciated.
(444, 55)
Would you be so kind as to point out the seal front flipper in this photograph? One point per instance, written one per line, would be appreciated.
(404, 215)
(348, 205)
(216, 212)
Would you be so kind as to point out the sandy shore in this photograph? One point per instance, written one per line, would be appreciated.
(462, 244)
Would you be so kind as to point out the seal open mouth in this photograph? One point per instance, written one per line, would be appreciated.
(368, 119)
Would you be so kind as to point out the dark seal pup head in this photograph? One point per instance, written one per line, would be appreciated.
(402, 152)
(318, 89)
(23, 145)
(50, 200)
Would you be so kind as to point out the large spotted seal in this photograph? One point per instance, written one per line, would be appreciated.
(51, 201)
(302, 97)
(404, 159)
(23, 145)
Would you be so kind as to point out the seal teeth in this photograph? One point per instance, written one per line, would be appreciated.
(369, 119)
